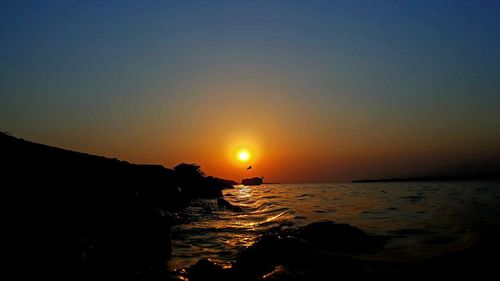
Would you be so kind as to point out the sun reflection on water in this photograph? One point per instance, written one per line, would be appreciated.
(209, 231)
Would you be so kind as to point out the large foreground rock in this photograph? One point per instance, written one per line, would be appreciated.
(73, 216)
(297, 254)
(308, 253)
(336, 237)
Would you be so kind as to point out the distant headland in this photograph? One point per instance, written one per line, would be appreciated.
(486, 176)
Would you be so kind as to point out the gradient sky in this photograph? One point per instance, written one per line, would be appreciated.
(317, 90)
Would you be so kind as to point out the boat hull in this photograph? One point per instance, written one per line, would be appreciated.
(252, 181)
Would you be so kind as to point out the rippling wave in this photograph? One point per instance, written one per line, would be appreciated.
(420, 218)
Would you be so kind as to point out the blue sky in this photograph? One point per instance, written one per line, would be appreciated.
(127, 79)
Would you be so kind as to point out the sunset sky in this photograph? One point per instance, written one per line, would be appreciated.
(312, 90)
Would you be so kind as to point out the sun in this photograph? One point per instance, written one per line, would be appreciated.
(243, 155)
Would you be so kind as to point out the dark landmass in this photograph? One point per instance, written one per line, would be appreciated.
(75, 216)
(489, 176)
(473, 170)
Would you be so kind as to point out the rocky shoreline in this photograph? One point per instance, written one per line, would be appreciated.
(75, 216)
(294, 254)
(325, 250)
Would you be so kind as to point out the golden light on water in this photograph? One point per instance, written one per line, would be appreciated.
(243, 155)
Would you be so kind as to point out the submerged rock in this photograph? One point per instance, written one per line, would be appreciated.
(339, 237)
(205, 269)
(281, 272)
(221, 202)
(306, 253)
(325, 250)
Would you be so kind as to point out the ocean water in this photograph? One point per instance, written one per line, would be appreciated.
(420, 219)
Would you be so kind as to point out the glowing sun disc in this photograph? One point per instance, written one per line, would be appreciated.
(243, 155)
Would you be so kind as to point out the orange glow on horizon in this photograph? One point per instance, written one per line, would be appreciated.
(242, 148)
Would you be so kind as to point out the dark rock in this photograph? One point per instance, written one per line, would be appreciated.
(207, 270)
(194, 184)
(339, 237)
(280, 273)
(221, 202)
(75, 216)
(270, 251)
(307, 253)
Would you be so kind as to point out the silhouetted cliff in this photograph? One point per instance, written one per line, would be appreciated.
(75, 216)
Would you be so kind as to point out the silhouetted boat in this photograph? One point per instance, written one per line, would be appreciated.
(252, 181)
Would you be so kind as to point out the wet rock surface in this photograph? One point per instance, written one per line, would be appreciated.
(308, 253)
(294, 254)
(343, 238)
(223, 203)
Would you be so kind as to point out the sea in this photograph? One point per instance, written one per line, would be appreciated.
(420, 219)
